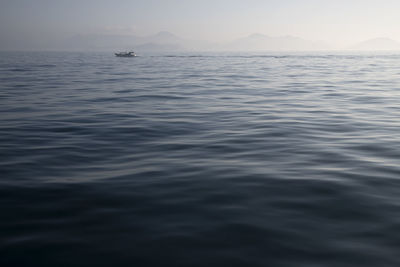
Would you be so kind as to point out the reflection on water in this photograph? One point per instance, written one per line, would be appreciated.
(199, 160)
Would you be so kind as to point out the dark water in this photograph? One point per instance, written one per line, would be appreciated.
(200, 160)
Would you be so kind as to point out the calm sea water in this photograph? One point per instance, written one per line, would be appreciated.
(188, 159)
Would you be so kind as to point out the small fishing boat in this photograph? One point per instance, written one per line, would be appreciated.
(125, 54)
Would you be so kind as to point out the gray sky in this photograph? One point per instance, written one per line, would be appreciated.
(337, 22)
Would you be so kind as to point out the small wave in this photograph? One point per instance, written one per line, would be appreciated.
(243, 159)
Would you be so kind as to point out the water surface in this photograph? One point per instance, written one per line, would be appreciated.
(189, 159)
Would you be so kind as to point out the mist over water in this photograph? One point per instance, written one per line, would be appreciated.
(188, 159)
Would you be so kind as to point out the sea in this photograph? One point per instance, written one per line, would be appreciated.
(200, 159)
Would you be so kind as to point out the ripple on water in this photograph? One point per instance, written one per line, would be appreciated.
(199, 160)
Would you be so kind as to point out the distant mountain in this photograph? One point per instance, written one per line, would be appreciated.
(377, 44)
(96, 42)
(164, 37)
(162, 41)
(166, 41)
(260, 42)
(149, 47)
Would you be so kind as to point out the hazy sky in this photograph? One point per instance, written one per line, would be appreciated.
(338, 22)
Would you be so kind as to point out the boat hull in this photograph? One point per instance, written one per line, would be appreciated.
(124, 54)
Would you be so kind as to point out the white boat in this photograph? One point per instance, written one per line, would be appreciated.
(125, 54)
